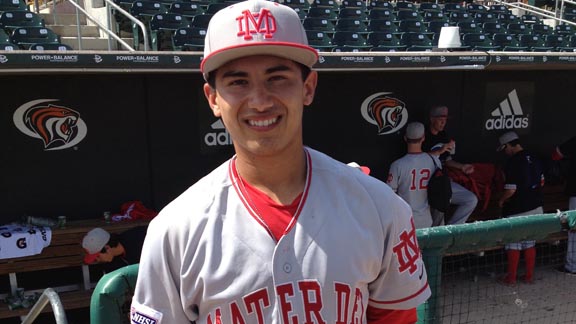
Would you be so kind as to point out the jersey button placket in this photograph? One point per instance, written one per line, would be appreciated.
(287, 267)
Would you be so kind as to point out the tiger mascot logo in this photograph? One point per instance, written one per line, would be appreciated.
(387, 113)
(58, 127)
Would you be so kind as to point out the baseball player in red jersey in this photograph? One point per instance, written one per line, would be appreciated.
(280, 233)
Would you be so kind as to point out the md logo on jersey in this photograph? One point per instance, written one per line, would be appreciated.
(220, 136)
(513, 110)
(387, 113)
(58, 127)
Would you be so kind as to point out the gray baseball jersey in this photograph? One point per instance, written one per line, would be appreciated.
(409, 176)
(208, 259)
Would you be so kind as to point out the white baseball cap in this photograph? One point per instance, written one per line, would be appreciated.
(95, 240)
(255, 27)
(364, 169)
(505, 139)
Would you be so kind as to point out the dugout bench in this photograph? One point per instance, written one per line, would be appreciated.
(64, 251)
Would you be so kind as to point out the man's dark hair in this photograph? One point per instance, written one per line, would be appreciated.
(514, 142)
(112, 242)
(304, 69)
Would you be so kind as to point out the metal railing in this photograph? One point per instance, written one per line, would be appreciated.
(557, 15)
(48, 296)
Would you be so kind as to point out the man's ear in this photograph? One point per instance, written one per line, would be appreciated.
(310, 87)
(210, 94)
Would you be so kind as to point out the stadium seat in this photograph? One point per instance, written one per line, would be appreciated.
(507, 43)
(162, 28)
(542, 29)
(430, 16)
(355, 4)
(186, 9)
(319, 40)
(4, 37)
(201, 21)
(534, 43)
(385, 42)
(484, 17)
(8, 47)
(429, 7)
(529, 19)
(405, 5)
(478, 42)
(506, 19)
(408, 15)
(469, 28)
(144, 10)
(436, 26)
(326, 13)
(379, 25)
(556, 41)
(381, 13)
(188, 39)
(409, 26)
(518, 29)
(351, 24)
(26, 36)
(492, 28)
(300, 4)
(501, 9)
(473, 8)
(416, 41)
(457, 17)
(565, 30)
(12, 19)
(349, 40)
(215, 7)
(50, 47)
(8, 5)
(453, 7)
(319, 24)
(380, 4)
(355, 13)
(326, 4)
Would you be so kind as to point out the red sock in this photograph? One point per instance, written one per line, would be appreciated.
(530, 259)
(513, 259)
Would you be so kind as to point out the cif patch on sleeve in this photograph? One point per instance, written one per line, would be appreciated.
(140, 314)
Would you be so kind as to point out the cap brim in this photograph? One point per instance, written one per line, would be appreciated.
(91, 258)
(300, 53)
(365, 169)
(500, 148)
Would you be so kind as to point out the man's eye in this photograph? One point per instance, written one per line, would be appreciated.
(238, 82)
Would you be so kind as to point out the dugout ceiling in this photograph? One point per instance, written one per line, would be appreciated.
(78, 144)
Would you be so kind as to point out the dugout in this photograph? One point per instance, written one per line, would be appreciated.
(113, 127)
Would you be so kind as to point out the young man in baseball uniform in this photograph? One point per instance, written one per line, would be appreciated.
(567, 150)
(280, 233)
(438, 142)
(409, 175)
(522, 195)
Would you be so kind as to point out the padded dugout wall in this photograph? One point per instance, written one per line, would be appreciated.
(149, 136)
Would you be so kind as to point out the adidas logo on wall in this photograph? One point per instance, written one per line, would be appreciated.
(508, 115)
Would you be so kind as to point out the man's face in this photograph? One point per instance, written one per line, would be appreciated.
(105, 255)
(260, 100)
(438, 124)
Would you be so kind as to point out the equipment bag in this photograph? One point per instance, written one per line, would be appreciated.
(439, 189)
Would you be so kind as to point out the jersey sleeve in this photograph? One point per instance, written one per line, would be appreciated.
(393, 176)
(157, 295)
(402, 282)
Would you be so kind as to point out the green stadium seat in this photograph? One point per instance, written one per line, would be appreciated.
(429, 7)
(534, 43)
(321, 12)
(492, 28)
(518, 29)
(348, 40)
(326, 4)
(319, 40)
(162, 28)
(409, 26)
(408, 15)
(144, 10)
(355, 4)
(355, 13)
(542, 29)
(479, 42)
(24, 37)
(556, 41)
(453, 7)
(351, 24)
(372, 4)
(499, 9)
(379, 25)
(529, 19)
(565, 30)
(8, 47)
(405, 5)
(467, 27)
(201, 21)
(508, 43)
(215, 7)
(8, 5)
(475, 8)
(416, 41)
(456, 17)
(298, 4)
(12, 19)
(4, 37)
(50, 47)
(484, 17)
(506, 19)
(189, 39)
(385, 42)
(186, 9)
(381, 13)
(319, 24)
(436, 26)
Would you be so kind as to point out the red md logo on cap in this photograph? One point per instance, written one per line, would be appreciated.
(262, 22)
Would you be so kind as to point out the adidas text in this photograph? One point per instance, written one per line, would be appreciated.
(217, 138)
(506, 122)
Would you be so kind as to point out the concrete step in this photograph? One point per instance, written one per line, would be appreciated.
(72, 30)
(63, 18)
(94, 43)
